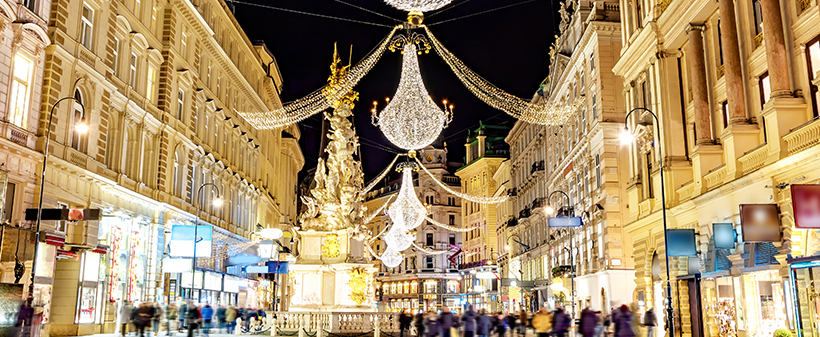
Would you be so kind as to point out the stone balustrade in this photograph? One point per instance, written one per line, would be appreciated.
(331, 322)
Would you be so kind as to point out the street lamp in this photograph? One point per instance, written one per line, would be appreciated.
(81, 127)
(627, 138)
(216, 202)
(569, 212)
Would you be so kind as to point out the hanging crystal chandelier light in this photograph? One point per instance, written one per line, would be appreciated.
(418, 5)
(397, 238)
(391, 258)
(407, 212)
(411, 120)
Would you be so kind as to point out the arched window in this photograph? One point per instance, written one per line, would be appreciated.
(79, 141)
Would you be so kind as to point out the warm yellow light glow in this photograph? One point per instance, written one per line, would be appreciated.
(627, 137)
(81, 126)
(218, 202)
(507, 247)
(549, 210)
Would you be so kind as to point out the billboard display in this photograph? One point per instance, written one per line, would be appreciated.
(760, 222)
(806, 202)
(182, 241)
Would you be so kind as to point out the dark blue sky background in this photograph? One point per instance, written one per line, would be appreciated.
(509, 47)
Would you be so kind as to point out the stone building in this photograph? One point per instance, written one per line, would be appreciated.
(485, 151)
(509, 294)
(158, 83)
(579, 165)
(734, 87)
(425, 280)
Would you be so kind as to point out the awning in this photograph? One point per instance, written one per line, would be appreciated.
(55, 240)
(65, 254)
(100, 250)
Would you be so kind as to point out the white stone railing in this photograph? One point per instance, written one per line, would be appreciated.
(331, 322)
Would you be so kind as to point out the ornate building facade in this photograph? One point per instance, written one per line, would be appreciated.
(158, 83)
(582, 159)
(485, 151)
(423, 281)
(734, 87)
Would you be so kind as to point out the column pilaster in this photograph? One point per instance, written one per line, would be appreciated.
(775, 43)
(735, 95)
(700, 94)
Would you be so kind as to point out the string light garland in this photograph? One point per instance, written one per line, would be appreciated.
(381, 175)
(480, 200)
(319, 100)
(448, 227)
(373, 215)
(546, 114)
(430, 251)
(411, 120)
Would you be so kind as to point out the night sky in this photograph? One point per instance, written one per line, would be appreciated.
(509, 47)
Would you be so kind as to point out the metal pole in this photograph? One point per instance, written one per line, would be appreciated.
(669, 309)
(42, 188)
(197, 205)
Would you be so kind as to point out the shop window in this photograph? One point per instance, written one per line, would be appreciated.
(20, 90)
(813, 67)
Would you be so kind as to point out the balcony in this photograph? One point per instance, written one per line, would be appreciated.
(451, 180)
(474, 264)
(538, 203)
(524, 213)
(537, 167)
(513, 192)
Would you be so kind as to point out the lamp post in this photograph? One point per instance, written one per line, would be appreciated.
(217, 202)
(627, 138)
(81, 127)
(550, 211)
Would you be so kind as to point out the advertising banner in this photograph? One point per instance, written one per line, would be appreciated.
(806, 202)
(681, 242)
(182, 241)
(760, 222)
(724, 235)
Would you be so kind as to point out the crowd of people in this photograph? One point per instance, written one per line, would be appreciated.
(184, 317)
(621, 322)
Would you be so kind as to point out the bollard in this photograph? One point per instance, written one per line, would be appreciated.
(376, 328)
(237, 330)
(272, 325)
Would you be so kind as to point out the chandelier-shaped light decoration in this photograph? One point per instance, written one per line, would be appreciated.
(391, 258)
(465, 196)
(407, 212)
(418, 5)
(397, 238)
(411, 120)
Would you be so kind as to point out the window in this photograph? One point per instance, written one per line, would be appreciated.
(813, 58)
(20, 90)
(183, 48)
(137, 8)
(132, 71)
(175, 182)
(452, 239)
(208, 76)
(592, 62)
(154, 19)
(724, 108)
(8, 207)
(116, 52)
(649, 184)
(218, 84)
(758, 13)
(87, 28)
(583, 120)
(151, 84)
(594, 107)
(720, 44)
(765, 88)
(79, 140)
(452, 219)
(180, 103)
(598, 171)
(429, 240)
(639, 11)
(581, 188)
(428, 262)
(586, 181)
(30, 4)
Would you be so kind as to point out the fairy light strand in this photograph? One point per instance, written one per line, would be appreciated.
(373, 215)
(480, 200)
(430, 251)
(319, 100)
(448, 227)
(542, 114)
(381, 175)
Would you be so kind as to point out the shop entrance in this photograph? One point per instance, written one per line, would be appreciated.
(807, 284)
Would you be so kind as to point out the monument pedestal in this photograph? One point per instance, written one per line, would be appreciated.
(331, 273)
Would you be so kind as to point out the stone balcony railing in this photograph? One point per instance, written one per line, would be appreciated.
(325, 323)
(754, 159)
(803, 136)
(715, 177)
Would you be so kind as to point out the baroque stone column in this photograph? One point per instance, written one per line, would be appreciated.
(735, 95)
(700, 95)
(775, 43)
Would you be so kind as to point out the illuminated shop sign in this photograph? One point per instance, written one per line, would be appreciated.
(760, 223)
(806, 203)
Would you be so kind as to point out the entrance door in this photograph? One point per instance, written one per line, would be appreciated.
(695, 309)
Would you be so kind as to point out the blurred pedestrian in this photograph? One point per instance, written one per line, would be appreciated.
(561, 323)
(650, 321)
(511, 324)
(431, 328)
(183, 313)
(143, 318)
(207, 315)
(482, 324)
(171, 315)
(522, 323)
(622, 320)
(446, 321)
(468, 321)
(192, 317)
(156, 315)
(599, 323)
(499, 327)
(589, 323)
(418, 321)
(126, 312)
(230, 318)
(220, 318)
(542, 322)
(404, 322)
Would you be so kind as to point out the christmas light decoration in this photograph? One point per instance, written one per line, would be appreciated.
(381, 175)
(546, 114)
(480, 200)
(407, 212)
(391, 258)
(411, 120)
(321, 99)
(448, 227)
(430, 251)
(398, 239)
(418, 5)
(373, 215)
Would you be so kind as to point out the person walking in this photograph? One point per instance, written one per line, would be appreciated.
(171, 313)
(522, 323)
(404, 322)
(499, 325)
(510, 319)
(418, 321)
(650, 321)
(599, 323)
(622, 320)
(468, 321)
(230, 318)
(126, 311)
(446, 321)
(143, 318)
(156, 316)
(589, 323)
(431, 328)
(542, 322)
(207, 315)
(482, 328)
(192, 316)
(183, 313)
(561, 323)
(220, 318)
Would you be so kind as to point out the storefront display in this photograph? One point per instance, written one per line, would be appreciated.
(765, 301)
(807, 285)
(720, 306)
